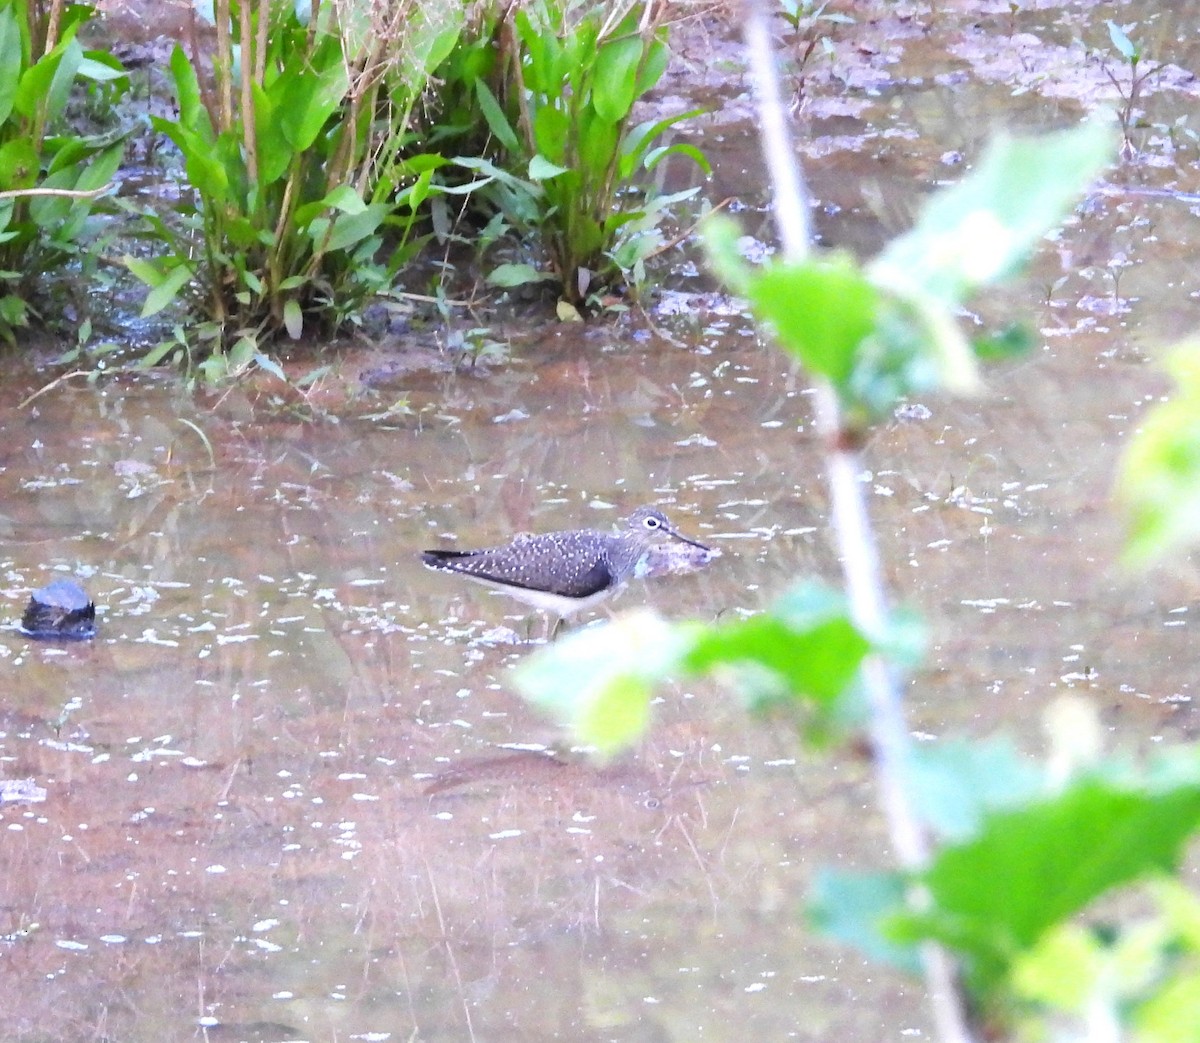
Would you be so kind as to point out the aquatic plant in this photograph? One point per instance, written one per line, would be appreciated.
(997, 855)
(50, 173)
(1131, 55)
(570, 166)
(294, 150)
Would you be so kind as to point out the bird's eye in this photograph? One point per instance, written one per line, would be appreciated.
(652, 522)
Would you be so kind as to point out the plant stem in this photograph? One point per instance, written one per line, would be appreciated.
(889, 735)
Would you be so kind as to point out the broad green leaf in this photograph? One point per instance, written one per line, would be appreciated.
(821, 312)
(984, 227)
(552, 134)
(312, 102)
(637, 142)
(146, 271)
(598, 682)
(804, 647)
(597, 144)
(101, 71)
(351, 228)
(346, 199)
(268, 364)
(1028, 870)
(244, 349)
(855, 907)
(18, 164)
(679, 148)
(916, 347)
(615, 77)
(10, 61)
(1129, 50)
(166, 289)
(274, 153)
(293, 320)
(34, 87)
(64, 78)
(541, 169)
(1158, 484)
(497, 122)
(507, 275)
(192, 113)
(653, 67)
(954, 783)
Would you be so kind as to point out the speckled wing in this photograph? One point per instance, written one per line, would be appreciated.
(570, 565)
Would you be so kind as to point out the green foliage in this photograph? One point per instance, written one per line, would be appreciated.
(887, 332)
(562, 121)
(49, 174)
(799, 658)
(1159, 479)
(297, 168)
(1025, 871)
(1146, 976)
(598, 682)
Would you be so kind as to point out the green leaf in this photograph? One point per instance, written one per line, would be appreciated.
(1158, 483)
(679, 148)
(146, 271)
(310, 104)
(10, 61)
(984, 227)
(101, 71)
(955, 783)
(508, 275)
(805, 647)
(854, 908)
(293, 319)
(274, 153)
(166, 289)
(597, 144)
(598, 682)
(351, 228)
(497, 122)
(637, 141)
(821, 312)
(1129, 50)
(269, 365)
(652, 69)
(18, 164)
(64, 78)
(243, 352)
(541, 169)
(346, 199)
(615, 77)
(193, 116)
(1028, 870)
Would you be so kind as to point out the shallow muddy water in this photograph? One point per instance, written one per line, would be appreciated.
(285, 792)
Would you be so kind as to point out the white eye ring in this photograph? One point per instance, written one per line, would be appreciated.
(652, 522)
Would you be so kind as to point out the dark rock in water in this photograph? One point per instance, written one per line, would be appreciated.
(60, 609)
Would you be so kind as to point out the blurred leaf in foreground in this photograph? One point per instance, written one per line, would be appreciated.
(598, 682)
(1159, 479)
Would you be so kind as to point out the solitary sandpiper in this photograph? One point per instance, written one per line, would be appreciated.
(562, 573)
